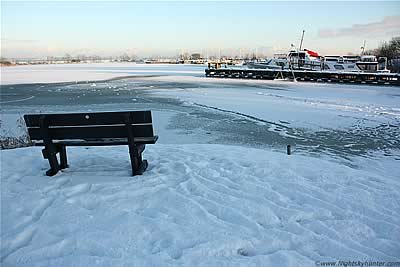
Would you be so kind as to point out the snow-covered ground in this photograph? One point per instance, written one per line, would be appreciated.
(208, 205)
(209, 197)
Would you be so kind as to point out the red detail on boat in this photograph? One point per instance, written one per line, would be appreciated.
(312, 53)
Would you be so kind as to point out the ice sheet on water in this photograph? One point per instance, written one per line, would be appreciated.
(90, 72)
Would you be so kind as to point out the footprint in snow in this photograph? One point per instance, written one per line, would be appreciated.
(76, 190)
(21, 240)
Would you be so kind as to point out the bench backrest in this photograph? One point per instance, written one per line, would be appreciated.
(90, 125)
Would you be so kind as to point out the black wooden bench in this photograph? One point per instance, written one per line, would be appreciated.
(56, 131)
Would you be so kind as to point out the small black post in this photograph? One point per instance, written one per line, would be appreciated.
(288, 150)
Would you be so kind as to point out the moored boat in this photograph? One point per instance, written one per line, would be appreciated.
(312, 61)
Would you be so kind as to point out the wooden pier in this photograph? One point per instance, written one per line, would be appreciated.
(305, 75)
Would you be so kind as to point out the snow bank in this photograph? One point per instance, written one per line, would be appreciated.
(196, 205)
(13, 131)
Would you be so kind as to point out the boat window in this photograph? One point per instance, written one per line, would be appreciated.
(339, 67)
(351, 66)
(326, 67)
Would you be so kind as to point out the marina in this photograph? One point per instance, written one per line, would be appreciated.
(307, 65)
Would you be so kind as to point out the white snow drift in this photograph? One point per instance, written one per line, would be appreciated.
(207, 205)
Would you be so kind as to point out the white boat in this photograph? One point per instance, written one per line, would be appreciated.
(312, 61)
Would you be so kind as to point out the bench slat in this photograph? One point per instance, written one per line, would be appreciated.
(103, 142)
(92, 132)
(98, 118)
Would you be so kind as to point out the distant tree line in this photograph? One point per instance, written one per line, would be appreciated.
(5, 62)
(390, 50)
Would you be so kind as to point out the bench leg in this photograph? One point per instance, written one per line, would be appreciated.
(63, 156)
(50, 149)
(137, 163)
(135, 151)
(142, 167)
(51, 155)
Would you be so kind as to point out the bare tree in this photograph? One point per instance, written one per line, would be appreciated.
(390, 50)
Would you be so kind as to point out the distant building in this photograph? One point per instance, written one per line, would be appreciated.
(195, 56)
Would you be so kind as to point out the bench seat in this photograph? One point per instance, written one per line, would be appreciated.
(57, 131)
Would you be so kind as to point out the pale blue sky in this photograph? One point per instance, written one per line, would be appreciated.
(34, 29)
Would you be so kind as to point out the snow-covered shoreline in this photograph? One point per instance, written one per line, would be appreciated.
(197, 205)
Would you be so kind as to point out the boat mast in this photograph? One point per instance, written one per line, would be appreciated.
(363, 48)
(301, 42)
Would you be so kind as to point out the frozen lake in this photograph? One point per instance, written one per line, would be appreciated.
(88, 72)
(341, 120)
